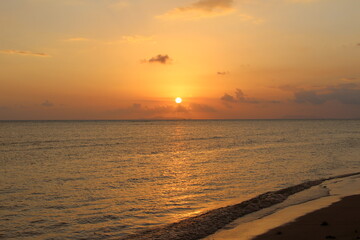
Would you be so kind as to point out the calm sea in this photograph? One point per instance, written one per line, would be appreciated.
(105, 179)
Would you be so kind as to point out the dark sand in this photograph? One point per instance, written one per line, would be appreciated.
(341, 220)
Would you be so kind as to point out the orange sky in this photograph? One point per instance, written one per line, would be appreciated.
(118, 59)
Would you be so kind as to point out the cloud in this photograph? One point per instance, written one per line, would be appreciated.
(24, 53)
(201, 108)
(77, 39)
(223, 73)
(240, 97)
(308, 97)
(349, 79)
(302, 1)
(251, 19)
(200, 9)
(343, 93)
(228, 98)
(138, 110)
(162, 59)
(138, 39)
(46, 103)
(120, 5)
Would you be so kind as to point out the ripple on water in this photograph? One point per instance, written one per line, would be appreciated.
(97, 219)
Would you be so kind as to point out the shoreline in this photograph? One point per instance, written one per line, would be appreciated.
(208, 223)
(296, 206)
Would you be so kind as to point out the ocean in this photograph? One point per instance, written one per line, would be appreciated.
(109, 179)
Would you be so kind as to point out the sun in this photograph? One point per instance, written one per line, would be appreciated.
(178, 100)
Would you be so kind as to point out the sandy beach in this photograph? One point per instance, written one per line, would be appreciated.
(329, 210)
(341, 220)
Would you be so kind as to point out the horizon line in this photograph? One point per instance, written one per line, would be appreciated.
(175, 119)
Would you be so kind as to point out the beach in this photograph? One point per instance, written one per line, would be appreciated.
(329, 210)
(341, 220)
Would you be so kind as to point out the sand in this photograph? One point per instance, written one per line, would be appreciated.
(341, 220)
(294, 207)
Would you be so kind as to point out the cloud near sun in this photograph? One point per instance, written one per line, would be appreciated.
(138, 109)
(200, 9)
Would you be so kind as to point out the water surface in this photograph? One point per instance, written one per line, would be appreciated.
(102, 179)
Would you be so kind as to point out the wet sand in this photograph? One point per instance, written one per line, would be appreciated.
(341, 220)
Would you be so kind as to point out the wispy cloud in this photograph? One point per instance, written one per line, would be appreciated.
(162, 59)
(251, 19)
(24, 53)
(138, 39)
(125, 38)
(120, 5)
(77, 39)
(302, 1)
(200, 9)
(349, 79)
(47, 103)
(223, 73)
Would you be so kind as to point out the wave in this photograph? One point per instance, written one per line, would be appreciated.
(200, 226)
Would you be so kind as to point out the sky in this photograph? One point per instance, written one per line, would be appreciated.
(226, 59)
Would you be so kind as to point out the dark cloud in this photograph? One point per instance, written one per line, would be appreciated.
(163, 59)
(239, 97)
(300, 117)
(138, 110)
(228, 98)
(309, 97)
(343, 93)
(201, 108)
(181, 109)
(223, 73)
(47, 104)
(4, 112)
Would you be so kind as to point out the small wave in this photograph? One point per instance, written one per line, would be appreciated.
(70, 179)
(96, 219)
(112, 229)
(38, 221)
(57, 225)
(139, 180)
(13, 207)
(204, 138)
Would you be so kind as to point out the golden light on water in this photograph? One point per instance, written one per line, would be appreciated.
(178, 100)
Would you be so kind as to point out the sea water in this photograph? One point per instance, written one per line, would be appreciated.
(106, 179)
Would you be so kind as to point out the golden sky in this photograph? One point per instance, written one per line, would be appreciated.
(130, 59)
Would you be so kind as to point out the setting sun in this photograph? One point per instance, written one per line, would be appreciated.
(178, 100)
